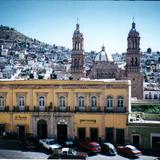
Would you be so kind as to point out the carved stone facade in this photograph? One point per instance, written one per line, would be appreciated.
(52, 120)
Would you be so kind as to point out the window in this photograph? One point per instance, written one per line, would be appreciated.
(81, 102)
(120, 102)
(21, 103)
(136, 61)
(94, 134)
(93, 101)
(41, 103)
(150, 95)
(146, 96)
(155, 96)
(109, 101)
(120, 134)
(81, 134)
(109, 135)
(62, 101)
(132, 61)
(2, 103)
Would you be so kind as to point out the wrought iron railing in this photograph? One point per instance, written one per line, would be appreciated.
(65, 109)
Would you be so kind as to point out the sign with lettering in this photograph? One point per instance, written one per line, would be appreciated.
(20, 117)
(88, 121)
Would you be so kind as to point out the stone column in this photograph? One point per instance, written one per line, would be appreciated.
(114, 135)
(103, 126)
(126, 136)
(31, 99)
(34, 125)
(55, 121)
(51, 122)
(48, 119)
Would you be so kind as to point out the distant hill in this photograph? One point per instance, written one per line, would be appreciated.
(10, 35)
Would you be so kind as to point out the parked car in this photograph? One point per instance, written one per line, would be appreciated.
(69, 143)
(49, 144)
(91, 146)
(129, 150)
(31, 143)
(68, 153)
(108, 149)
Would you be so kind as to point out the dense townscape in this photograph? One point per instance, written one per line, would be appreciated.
(26, 58)
(54, 98)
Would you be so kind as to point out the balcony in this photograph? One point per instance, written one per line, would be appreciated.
(81, 109)
(87, 109)
(63, 109)
(4, 109)
(109, 109)
(20, 109)
(120, 109)
(95, 109)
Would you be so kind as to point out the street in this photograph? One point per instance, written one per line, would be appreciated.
(18, 154)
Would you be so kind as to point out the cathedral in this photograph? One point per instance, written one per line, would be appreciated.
(104, 69)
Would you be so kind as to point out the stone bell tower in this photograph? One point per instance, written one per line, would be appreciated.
(133, 63)
(77, 68)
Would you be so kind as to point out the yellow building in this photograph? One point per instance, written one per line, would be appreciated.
(85, 109)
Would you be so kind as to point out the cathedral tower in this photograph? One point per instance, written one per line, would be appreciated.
(77, 69)
(133, 63)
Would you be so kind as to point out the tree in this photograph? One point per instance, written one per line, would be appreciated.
(53, 76)
(158, 52)
(70, 78)
(149, 50)
(31, 76)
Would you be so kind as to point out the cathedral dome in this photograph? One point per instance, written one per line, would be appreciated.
(133, 32)
(77, 33)
(101, 56)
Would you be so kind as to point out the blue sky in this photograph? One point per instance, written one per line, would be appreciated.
(101, 22)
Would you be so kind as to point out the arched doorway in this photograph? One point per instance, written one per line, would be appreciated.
(62, 131)
(136, 140)
(42, 129)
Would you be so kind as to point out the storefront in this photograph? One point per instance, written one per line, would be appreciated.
(53, 125)
(21, 124)
(2, 129)
(145, 135)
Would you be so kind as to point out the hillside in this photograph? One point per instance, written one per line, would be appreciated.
(10, 35)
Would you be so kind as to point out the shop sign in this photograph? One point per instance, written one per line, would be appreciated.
(20, 118)
(88, 121)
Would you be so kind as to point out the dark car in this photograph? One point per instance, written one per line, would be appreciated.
(91, 146)
(69, 143)
(129, 150)
(68, 153)
(30, 143)
(108, 149)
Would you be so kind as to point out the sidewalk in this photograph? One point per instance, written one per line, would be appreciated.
(152, 152)
(10, 144)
